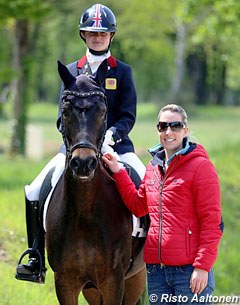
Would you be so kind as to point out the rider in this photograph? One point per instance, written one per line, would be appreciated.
(97, 28)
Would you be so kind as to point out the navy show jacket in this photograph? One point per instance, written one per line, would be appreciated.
(121, 100)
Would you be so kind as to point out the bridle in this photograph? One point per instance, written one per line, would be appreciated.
(83, 143)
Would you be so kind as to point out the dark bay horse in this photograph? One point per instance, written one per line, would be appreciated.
(88, 228)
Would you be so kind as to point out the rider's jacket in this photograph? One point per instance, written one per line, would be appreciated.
(184, 207)
(121, 100)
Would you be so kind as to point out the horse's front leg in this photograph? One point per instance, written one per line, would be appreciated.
(67, 289)
(113, 290)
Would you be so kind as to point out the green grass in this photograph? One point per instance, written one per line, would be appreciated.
(216, 128)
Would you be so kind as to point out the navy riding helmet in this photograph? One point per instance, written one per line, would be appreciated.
(98, 18)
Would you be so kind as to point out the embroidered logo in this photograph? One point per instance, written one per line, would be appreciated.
(111, 83)
(152, 182)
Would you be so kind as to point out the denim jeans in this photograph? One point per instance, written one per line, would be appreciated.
(170, 285)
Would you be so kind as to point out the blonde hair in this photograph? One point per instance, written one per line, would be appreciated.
(175, 108)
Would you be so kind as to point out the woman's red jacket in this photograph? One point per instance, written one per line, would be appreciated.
(184, 208)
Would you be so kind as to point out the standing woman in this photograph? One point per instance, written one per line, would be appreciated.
(181, 193)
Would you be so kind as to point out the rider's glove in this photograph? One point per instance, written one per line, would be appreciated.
(108, 143)
(108, 139)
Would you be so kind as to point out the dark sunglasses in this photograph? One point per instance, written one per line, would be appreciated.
(175, 126)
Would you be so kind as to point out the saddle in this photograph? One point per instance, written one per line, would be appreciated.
(140, 225)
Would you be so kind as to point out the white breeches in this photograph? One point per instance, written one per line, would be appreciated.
(133, 160)
(32, 191)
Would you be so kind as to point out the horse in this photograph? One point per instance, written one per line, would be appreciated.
(89, 240)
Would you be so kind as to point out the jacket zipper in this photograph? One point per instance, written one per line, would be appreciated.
(161, 184)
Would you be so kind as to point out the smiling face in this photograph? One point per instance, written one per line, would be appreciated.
(97, 41)
(172, 140)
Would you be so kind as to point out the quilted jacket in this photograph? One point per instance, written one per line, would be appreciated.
(184, 207)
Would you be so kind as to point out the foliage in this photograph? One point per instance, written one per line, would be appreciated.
(19, 9)
(217, 30)
(147, 39)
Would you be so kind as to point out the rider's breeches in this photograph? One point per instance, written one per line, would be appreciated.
(133, 160)
(32, 191)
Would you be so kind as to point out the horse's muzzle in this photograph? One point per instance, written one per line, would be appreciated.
(84, 167)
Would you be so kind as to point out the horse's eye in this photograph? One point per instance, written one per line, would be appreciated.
(66, 109)
(65, 112)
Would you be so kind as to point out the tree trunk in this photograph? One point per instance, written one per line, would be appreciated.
(179, 62)
(20, 86)
(218, 78)
(221, 86)
(197, 73)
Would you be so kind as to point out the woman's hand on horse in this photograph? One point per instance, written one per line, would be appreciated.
(111, 161)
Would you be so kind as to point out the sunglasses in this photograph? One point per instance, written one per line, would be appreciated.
(175, 126)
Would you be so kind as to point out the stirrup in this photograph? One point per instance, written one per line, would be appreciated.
(36, 278)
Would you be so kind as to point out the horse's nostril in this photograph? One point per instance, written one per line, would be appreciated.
(75, 164)
(92, 163)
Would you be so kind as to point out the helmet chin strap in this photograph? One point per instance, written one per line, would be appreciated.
(98, 53)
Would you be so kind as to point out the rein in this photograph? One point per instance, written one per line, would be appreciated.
(83, 143)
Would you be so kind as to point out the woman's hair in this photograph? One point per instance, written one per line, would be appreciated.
(174, 108)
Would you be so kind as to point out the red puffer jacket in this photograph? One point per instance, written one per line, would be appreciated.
(184, 208)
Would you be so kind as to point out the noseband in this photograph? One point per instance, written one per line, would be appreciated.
(85, 105)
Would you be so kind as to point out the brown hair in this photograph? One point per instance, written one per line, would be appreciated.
(174, 108)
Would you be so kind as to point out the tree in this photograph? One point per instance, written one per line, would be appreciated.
(20, 15)
(20, 52)
(214, 44)
(175, 48)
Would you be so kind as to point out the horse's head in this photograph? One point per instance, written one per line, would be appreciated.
(83, 120)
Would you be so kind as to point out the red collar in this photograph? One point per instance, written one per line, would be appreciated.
(111, 61)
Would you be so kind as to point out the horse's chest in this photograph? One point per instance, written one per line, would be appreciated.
(89, 243)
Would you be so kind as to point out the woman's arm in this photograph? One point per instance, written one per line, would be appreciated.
(134, 199)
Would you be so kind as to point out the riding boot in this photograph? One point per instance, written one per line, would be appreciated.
(34, 270)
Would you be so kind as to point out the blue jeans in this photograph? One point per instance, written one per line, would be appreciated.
(170, 285)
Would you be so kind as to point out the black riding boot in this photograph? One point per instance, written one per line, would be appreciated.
(34, 270)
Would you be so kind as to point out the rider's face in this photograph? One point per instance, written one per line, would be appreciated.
(97, 41)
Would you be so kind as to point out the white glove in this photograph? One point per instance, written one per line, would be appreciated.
(106, 148)
(108, 139)
(107, 142)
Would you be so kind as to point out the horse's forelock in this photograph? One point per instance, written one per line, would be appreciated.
(83, 91)
(84, 103)
(87, 84)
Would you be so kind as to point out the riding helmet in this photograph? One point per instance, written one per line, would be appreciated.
(98, 18)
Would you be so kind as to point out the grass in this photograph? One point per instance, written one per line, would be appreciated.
(215, 128)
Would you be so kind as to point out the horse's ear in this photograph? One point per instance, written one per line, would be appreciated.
(65, 75)
(102, 73)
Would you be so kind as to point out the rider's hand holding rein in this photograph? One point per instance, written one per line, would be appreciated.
(112, 162)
